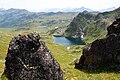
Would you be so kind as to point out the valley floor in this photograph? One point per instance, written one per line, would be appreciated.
(64, 56)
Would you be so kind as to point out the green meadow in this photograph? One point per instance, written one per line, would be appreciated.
(65, 57)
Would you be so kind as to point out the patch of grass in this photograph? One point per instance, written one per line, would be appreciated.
(65, 57)
(61, 54)
(3, 78)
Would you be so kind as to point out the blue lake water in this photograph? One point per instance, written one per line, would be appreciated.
(68, 41)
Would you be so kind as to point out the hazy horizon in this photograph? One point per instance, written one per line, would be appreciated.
(42, 5)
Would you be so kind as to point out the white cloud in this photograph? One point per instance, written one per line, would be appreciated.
(35, 5)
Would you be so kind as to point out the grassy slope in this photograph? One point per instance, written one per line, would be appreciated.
(93, 25)
(63, 56)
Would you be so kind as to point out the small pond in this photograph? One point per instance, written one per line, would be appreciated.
(68, 41)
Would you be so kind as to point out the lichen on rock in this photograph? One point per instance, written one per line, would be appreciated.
(28, 58)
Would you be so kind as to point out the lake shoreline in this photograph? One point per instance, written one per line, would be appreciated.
(67, 41)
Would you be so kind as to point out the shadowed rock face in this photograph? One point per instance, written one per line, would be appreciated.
(103, 53)
(29, 59)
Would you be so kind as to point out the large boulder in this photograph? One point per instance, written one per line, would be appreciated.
(103, 53)
(28, 58)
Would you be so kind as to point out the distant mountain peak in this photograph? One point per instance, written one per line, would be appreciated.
(69, 10)
(91, 23)
(22, 18)
(14, 9)
(2, 9)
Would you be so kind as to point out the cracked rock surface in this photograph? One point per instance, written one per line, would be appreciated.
(28, 58)
(103, 53)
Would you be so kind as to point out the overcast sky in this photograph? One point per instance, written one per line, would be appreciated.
(39, 5)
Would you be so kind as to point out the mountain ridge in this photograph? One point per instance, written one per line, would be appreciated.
(91, 25)
(23, 18)
(68, 9)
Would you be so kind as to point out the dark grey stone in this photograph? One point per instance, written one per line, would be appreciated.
(28, 58)
(103, 53)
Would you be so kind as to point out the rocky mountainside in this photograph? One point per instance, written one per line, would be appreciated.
(28, 58)
(23, 18)
(91, 23)
(103, 53)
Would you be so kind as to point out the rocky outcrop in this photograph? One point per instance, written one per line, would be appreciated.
(29, 59)
(103, 53)
(92, 24)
